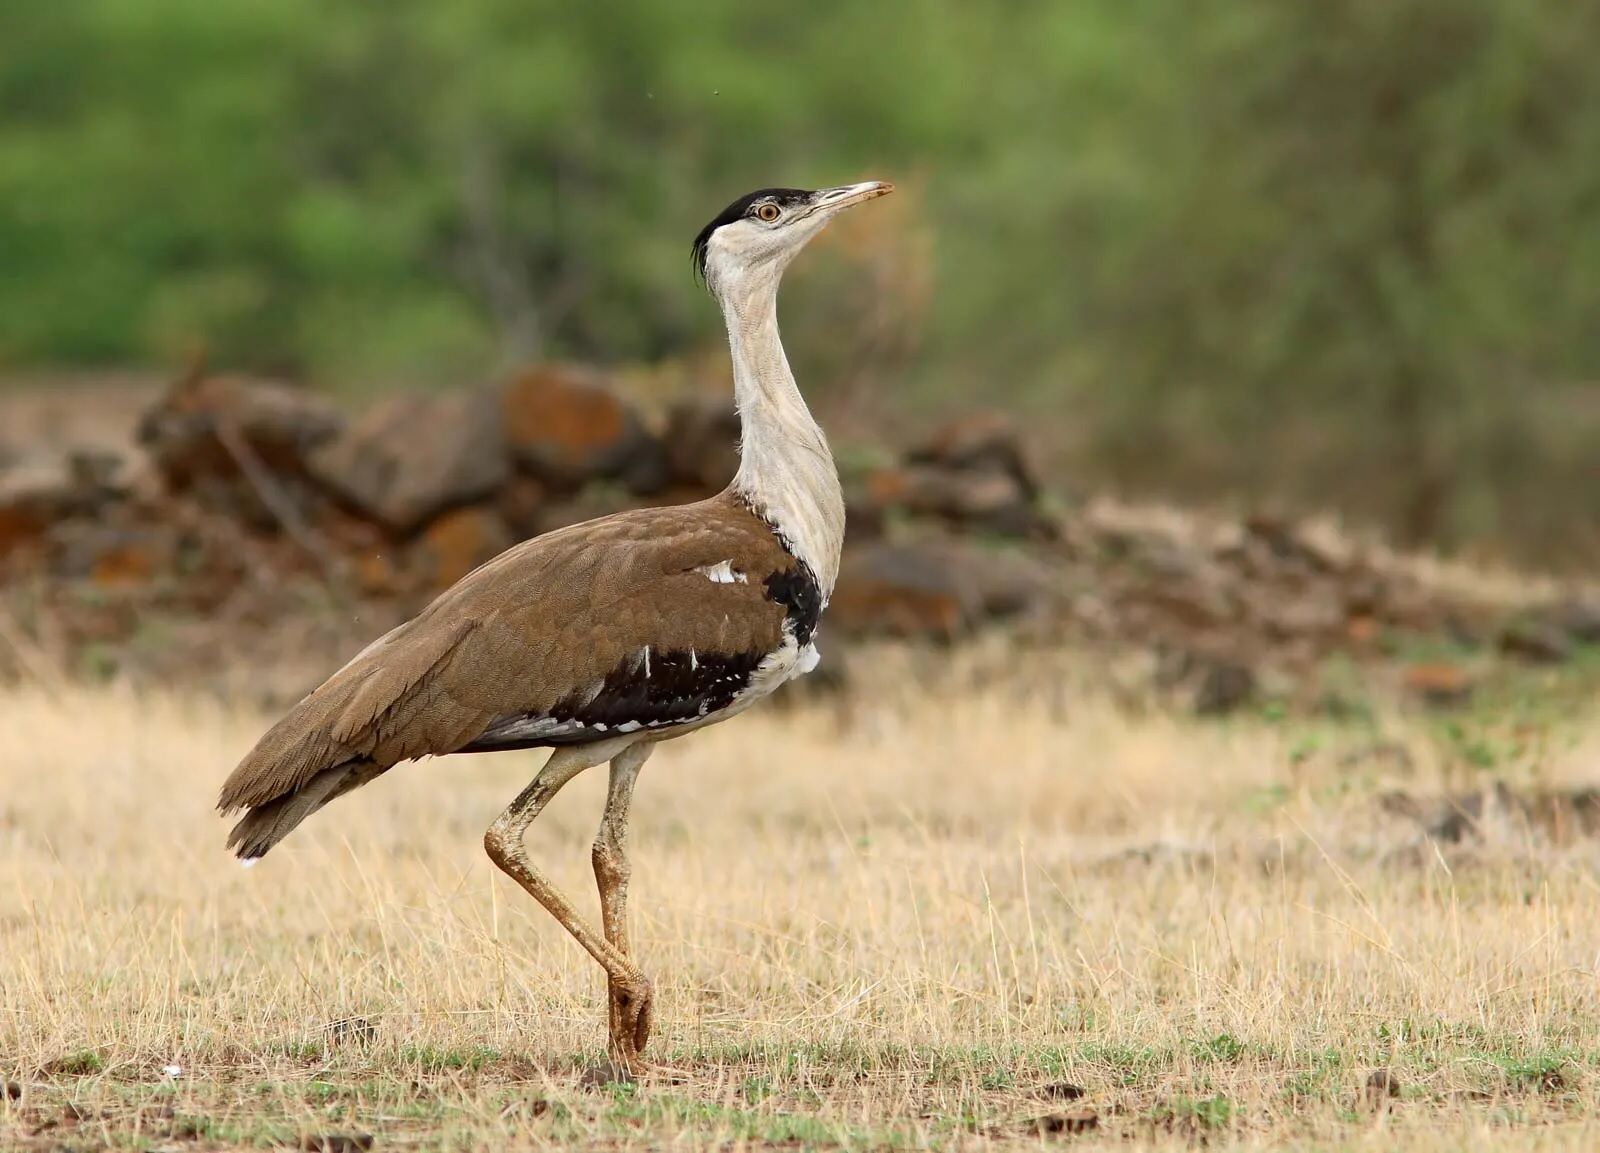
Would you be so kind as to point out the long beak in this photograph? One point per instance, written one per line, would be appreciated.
(831, 200)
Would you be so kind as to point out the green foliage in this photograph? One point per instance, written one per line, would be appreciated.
(1332, 251)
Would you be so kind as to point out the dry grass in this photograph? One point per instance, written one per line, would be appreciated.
(911, 929)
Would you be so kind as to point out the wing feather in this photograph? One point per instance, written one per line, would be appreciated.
(545, 622)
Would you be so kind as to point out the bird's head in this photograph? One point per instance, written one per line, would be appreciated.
(753, 239)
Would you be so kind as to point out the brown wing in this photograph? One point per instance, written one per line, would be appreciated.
(545, 644)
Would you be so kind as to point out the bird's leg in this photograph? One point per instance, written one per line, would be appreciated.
(630, 1023)
(503, 843)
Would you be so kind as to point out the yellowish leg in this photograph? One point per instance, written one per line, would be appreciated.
(611, 873)
(630, 989)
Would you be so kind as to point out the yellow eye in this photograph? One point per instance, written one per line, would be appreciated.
(768, 212)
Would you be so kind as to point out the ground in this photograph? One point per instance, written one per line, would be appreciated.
(985, 913)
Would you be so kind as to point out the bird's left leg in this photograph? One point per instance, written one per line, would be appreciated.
(629, 1022)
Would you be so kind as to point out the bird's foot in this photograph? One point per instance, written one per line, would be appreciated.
(630, 1015)
(632, 1011)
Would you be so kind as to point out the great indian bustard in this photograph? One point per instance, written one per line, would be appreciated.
(599, 640)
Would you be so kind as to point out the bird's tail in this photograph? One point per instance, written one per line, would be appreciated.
(266, 824)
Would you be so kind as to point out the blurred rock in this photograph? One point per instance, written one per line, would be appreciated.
(934, 588)
(1578, 618)
(38, 491)
(1535, 640)
(195, 429)
(409, 458)
(566, 426)
(702, 443)
(523, 503)
(114, 557)
(456, 543)
(1283, 542)
(1438, 684)
(980, 442)
(595, 501)
(904, 591)
(1381, 1087)
(238, 446)
(980, 500)
(1224, 687)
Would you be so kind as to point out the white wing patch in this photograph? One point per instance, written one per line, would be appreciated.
(722, 573)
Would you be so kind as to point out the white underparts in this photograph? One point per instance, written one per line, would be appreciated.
(787, 661)
(722, 573)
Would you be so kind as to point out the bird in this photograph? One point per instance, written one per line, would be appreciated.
(601, 640)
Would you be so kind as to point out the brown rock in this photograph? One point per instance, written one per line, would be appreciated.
(38, 492)
(982, 499)
(378, 571)
(566, 425)
(198, 426)
(114, 557)
(702, 443)
(524, 503)
(1535, 640)
(1224, 687)
(411, 457)
(588, 505)
(1579, 618)
(458, 542)
(903, 590)
(1284, 542)
(935, 588)
(1438, 684)
(979, 442)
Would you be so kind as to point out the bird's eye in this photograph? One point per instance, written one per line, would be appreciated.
(768, 212)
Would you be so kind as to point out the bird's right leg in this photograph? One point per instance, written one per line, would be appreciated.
(611, 874)
(503, 843)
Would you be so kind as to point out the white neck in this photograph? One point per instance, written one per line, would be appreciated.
(786, 472)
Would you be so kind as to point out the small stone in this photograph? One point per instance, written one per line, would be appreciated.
(1438, 685)
(337, 1143)
(1224, 687)
(1065, 1123)
(604, 1075)
(1381, 1086)
(1061, 1091)
(360, 1030)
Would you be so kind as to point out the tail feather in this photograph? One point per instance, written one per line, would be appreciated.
(382, 708)
(264, 825)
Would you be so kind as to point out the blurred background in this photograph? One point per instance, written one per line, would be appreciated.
(1341, 255)
(1196, 333)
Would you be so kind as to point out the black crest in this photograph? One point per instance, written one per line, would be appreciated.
(738, 210)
